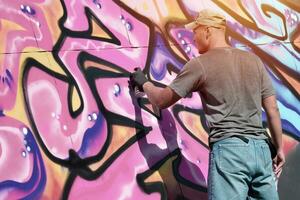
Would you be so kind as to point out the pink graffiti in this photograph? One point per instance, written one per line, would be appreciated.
(48, 101)
(133, 41)
(14, 43)
(20, 162)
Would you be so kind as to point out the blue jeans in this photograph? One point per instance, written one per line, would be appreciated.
(241, 170)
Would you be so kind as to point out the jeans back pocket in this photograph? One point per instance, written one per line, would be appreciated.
(234, 157)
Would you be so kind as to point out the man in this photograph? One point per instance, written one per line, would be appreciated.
(233, 86)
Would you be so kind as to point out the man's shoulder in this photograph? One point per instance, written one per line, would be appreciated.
(194, 63)
(221, 54)
(246, 53)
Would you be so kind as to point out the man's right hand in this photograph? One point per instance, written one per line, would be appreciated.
(138, 78)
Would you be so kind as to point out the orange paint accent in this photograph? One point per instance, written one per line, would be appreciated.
(99, 66)
(293, 82)
(234, 7)
(53, 12)
(295, 38)
(120, 135)
(97, 31)
(56, 177)
(6, 27)
(193, 124)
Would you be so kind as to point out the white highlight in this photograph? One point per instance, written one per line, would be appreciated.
(188, 49)
(24, 154)
(25, 130)
(179, 35)
(94, 116)
(127, 191)
(28, 148)
(53, 115)
(294, 17)
(28, 9)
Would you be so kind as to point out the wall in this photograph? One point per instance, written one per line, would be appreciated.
(70, 126)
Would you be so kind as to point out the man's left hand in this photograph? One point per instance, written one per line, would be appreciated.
(278, 163)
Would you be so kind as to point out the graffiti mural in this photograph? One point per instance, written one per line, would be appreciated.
(71, 127)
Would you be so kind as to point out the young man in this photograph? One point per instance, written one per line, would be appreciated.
(233, 86)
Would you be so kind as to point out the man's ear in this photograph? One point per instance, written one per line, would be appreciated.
(208, 32)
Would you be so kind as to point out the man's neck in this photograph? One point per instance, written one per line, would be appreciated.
(218, 45)
(218, 41)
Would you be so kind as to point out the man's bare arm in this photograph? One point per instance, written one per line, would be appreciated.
(270, 106)
(160, 97)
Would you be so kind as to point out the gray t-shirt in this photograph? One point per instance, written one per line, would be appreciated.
(231, 84)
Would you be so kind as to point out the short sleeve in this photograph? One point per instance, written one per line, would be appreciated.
(189, 79)
(267, 88)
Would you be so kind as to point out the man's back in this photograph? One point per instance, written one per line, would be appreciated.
(234, 85)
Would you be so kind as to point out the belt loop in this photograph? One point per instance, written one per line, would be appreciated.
(210, 145)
